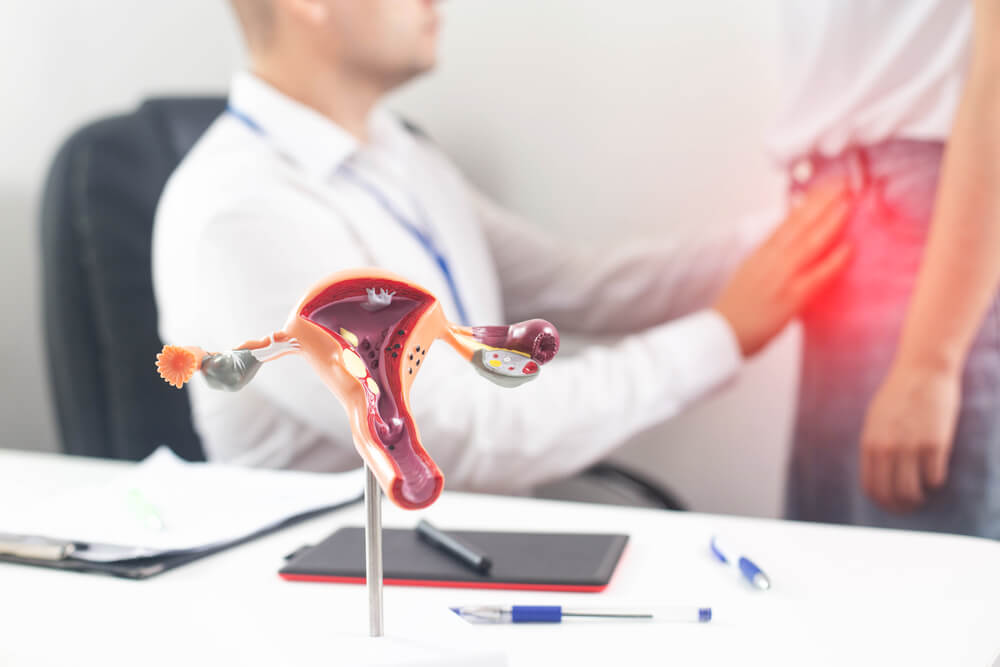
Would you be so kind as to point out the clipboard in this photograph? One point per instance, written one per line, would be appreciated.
(568, 562)
(144, 568)
(199, 510)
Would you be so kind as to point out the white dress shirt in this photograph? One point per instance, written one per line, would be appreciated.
(861, 71)
(253, 217)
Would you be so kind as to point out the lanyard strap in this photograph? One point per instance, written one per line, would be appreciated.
(422, 236)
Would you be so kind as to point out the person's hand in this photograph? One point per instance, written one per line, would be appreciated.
(780, 277)
(908, 434)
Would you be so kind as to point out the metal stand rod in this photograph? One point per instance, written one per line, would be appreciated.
(373, 552)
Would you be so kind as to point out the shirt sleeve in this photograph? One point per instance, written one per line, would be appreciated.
(577, 411)
(484, 437)
(622, 287)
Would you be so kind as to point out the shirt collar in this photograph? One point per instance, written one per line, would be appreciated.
(302, 134)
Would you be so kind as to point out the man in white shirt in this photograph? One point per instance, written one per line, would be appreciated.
(899, 410)
(305, 175)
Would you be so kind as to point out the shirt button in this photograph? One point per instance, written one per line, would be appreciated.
(802, 171)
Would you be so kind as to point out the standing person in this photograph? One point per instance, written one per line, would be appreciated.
(899, 411)
(307, 174)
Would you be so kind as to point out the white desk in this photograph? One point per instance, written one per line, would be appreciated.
(841, 596)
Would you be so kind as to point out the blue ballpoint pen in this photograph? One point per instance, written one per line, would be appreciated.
(556, 614)
(746, 567)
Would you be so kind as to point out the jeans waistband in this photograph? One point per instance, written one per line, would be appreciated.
(861, 166)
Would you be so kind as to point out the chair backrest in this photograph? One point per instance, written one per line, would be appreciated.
(100, 315)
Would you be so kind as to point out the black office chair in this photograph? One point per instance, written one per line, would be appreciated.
(100, 314)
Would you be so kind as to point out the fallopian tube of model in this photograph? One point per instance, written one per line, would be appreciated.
(366, 333)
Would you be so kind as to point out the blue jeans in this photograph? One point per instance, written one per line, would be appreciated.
(851, 332)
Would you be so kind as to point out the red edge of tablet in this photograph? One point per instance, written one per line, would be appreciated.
(565, 588)
(508, 586)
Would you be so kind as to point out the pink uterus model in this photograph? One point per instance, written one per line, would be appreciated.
(366, 332)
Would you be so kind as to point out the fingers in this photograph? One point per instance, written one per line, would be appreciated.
(820, 235)
(808, 249)
(816, 202)
(935, 466)
(817, 276)
(899, 480)
(908, 488)
(803, 216)
(877, 477)
(908, 436)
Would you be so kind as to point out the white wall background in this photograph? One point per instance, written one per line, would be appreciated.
(596, 119)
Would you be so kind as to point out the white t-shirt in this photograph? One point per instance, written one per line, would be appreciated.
(252, 219)
(857, 72)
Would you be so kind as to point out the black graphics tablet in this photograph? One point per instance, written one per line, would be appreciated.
(575, 562)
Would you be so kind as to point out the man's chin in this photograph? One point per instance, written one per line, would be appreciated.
(427, 67)
(414, 71)
(425, 62)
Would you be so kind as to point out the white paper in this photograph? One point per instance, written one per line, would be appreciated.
(167, 504)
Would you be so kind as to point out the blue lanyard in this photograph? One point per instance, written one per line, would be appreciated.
(420, 235)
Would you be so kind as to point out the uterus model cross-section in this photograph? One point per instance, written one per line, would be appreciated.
(366, 333)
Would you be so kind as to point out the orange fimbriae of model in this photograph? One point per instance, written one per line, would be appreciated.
(366, 333)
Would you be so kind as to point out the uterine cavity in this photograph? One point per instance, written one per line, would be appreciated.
(382, 336)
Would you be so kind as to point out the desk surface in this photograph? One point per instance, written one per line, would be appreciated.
(841, 595)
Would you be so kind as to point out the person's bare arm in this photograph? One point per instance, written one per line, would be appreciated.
(908, 433)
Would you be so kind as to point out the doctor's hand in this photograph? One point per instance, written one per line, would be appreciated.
(908, 434)
(800, 258)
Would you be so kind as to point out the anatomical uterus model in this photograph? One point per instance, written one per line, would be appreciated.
(366, 333)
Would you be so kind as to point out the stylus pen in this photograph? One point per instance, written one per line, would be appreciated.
(557, 614)
(463, 553)
(746, 567)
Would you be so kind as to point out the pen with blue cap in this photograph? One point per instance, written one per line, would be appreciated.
(746, 567)
(558, 614)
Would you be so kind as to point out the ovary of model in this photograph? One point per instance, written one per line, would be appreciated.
(366, 333)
